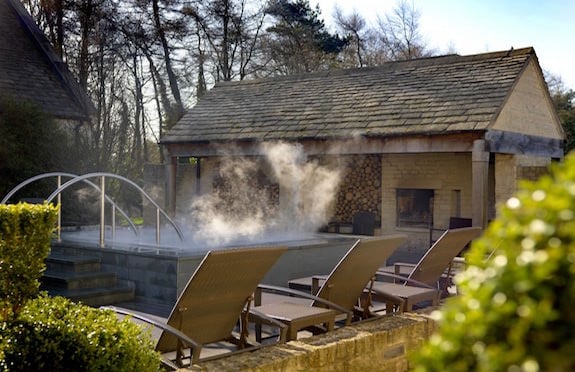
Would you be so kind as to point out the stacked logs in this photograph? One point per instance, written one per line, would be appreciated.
(360, 188)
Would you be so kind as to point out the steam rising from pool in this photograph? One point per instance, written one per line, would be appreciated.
(244, 210)
(279, 197)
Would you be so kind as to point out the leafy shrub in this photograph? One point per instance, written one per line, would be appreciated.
(55, 334)
(25, 231)
(515, 309)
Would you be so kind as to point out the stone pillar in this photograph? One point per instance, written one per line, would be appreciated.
(480, 184)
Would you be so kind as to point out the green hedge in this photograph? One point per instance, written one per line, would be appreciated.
(55, 334)
(25, 232)
(515, 311)
(39, 333)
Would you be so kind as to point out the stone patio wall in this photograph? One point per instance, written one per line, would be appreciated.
(377, 345)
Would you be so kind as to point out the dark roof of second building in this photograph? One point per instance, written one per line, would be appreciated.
(426, 96)
(31, 71)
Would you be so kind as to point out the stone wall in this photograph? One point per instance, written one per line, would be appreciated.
(377, 345)
(155, 186)
(447, 174)
(532, 173)
(532, 168)
(511, 169)
(505, 177)
(528, 109)
(155, 180)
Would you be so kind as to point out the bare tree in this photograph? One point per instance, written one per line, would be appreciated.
(107, 50)
(398, 33)
(355, 26)
(147, 60)
(49, 15)
(227, 32)
(160, 30)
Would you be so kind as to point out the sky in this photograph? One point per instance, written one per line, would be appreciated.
(480, 26)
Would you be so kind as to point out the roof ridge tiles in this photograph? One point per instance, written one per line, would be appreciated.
(431, 61)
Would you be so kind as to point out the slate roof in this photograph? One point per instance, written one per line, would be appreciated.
(437, 95)
(31, 71)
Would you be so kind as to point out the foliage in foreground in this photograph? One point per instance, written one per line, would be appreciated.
(25, 232)
(55, 334)
(515, 309)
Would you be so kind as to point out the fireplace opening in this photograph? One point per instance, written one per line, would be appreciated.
(414, 208)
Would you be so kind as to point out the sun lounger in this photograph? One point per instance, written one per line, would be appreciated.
(421, 282)
(339, 294)
(217, 297)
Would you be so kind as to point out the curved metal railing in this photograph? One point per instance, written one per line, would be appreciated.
(59, 176)
(103, 198)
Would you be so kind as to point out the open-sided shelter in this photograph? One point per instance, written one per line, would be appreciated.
(428, 141)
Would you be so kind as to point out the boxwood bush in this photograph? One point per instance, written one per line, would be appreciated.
(25, 233)
(55, 334)
(40, 333)
(515, 310)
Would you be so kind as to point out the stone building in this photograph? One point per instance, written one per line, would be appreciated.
(426, 143)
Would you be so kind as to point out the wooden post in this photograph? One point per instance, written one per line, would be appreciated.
(480, 183)
(198, 176)
(172, 169)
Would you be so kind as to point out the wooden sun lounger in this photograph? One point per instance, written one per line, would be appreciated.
(421, 282)
(340, 292)
(217, 297)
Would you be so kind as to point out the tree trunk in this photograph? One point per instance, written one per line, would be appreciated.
(226, 71)
(86, 13)
(171, 75)
(59, 28)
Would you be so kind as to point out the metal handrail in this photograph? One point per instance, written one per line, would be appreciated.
(70, 175)
(159, 210)
(32, 179)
